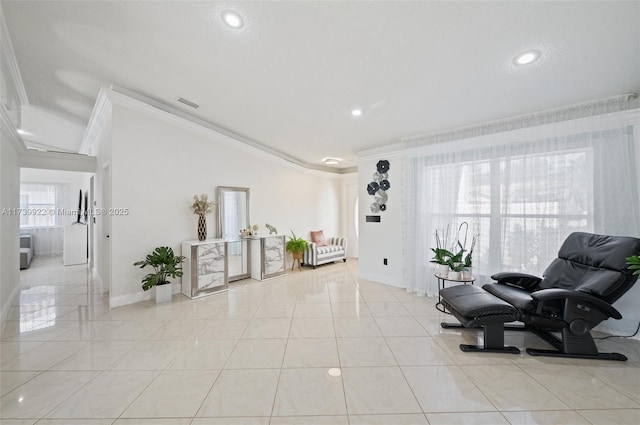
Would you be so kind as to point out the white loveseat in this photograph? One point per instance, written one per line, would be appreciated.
(334, 250)
(26, 251)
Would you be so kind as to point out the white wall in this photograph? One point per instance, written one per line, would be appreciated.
(350, 194)
(49, 241)
(12, 95)
(381, 240)
(9, 224)
(101, 244)
(158, 162)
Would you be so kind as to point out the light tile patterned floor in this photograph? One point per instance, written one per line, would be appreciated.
(314, 347)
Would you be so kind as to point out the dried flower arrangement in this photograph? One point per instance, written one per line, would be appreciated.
(201, 205)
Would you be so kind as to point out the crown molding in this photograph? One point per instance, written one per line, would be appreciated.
(109, 97)
(9, 128)
(230, 135)
(31, 145)
(58, 161)
(97, 123)
(7, 47)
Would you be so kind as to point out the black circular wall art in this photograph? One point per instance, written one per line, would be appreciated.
(383, 166)
(372, 188)
(379, 186)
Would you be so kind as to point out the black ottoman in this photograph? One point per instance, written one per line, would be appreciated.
(474, 308)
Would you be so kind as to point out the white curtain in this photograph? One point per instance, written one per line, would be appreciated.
(46, 228)
(47, 241)
(522, 185)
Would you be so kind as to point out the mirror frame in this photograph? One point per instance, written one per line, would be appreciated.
(220, 191)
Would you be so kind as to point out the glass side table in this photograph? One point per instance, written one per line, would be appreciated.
(441, 285)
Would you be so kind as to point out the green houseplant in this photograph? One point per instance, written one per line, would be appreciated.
(455, 268)
(165, 265)
(441, 254)
(296, 246)
(634, 264)
(467, 271)
(454, 265)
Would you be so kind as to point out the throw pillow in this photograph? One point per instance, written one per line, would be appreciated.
(318, 238)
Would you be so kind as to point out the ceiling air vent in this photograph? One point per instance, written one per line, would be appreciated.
(188, 103)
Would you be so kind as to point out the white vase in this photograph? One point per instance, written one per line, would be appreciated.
(467, 273)
(163, 293)
(454, 275)
(443, 270)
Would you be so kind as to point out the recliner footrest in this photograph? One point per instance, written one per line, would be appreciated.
(474, 307)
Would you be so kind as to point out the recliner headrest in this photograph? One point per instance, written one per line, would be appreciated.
(601, 251)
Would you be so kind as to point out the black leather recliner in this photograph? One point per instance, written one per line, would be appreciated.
(575, 294)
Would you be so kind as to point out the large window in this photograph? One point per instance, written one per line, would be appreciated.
(38, 204)
(517, 205)
(521, 198)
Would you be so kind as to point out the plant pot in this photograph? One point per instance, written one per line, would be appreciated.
(443, 270)
(297, 256)
(454, 275)
(467, 273)
(163, 293)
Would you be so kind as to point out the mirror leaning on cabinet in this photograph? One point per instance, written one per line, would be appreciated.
(234, 215)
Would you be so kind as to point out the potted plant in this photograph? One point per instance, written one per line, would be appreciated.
(442, 254)
(441, 258)
(165, 265)
(634, 264)
(296, 246)
(467, 271)
(455, 264)
(455, 272)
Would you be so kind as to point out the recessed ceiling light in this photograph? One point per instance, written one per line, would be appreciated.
(331, 161)
(21, 132)
(356, 112)
(527, 57)
(231, 18)
(334, 371)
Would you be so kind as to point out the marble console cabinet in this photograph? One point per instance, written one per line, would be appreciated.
(267, 257)
(204, 268)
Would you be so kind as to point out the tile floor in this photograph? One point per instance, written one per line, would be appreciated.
(314, 347)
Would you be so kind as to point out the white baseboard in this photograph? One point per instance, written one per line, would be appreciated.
(129, 299)
(139, 296)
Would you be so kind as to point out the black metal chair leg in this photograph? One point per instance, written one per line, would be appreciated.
(493, 341)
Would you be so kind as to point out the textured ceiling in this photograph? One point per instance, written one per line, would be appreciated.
(290, 76)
